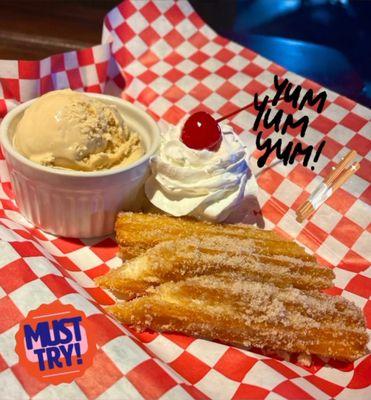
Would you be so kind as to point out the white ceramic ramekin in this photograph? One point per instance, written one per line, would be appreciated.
(73, 203)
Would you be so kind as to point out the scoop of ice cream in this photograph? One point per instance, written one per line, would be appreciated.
(200, 183)
(70, 130)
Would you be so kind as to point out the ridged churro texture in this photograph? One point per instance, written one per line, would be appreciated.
(233, 283)
(218, 255)
(137, 232)
(253, 314)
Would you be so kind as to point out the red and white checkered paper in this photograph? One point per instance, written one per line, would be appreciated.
(168, 60)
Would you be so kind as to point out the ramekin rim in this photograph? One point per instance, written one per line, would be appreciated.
(9, 148)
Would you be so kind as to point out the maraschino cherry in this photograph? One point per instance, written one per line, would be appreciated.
(202, 132)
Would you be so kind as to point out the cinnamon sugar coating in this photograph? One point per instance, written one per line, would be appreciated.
(239, 258)
(233, 283)
(250, 313)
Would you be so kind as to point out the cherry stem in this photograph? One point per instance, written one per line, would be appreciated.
(241, 109)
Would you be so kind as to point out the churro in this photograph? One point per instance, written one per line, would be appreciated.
(239, 258)
(137, 232)
(251, 314)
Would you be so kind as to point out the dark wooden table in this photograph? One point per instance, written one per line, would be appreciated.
(31, 30)
(35, 29)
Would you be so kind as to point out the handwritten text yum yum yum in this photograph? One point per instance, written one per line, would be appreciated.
(288, 94)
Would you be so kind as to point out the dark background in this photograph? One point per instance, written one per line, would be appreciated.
(325, 40)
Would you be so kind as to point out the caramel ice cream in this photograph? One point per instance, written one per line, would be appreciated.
(67, 129)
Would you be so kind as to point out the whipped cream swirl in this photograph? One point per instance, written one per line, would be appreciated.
(204, 184)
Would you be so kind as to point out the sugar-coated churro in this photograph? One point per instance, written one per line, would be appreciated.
(248, 313)
(137, 232)
(233, 283)
(184, 258)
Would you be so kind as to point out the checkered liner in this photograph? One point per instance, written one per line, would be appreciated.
(169, 61)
